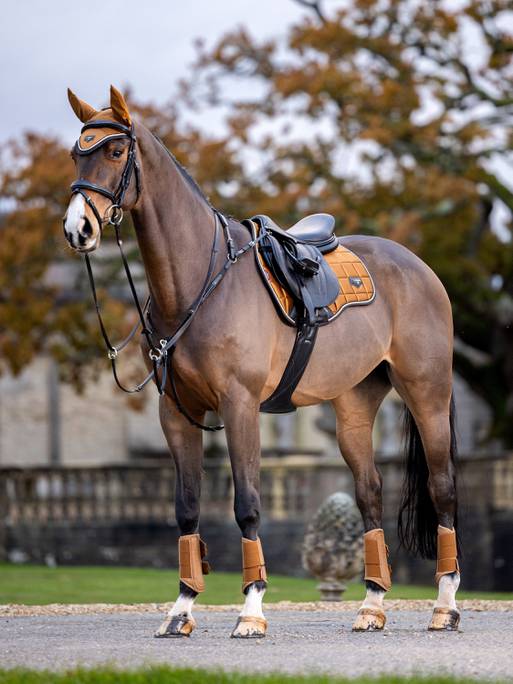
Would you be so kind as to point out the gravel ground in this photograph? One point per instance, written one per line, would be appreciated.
(314, 639)
(17, 610)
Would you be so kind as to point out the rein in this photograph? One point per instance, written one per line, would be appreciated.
(161, 355)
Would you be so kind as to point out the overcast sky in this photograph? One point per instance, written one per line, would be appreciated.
(46, 46)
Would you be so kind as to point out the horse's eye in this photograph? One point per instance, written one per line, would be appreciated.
(117, 154)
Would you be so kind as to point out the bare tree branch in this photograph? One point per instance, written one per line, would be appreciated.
(314, 5)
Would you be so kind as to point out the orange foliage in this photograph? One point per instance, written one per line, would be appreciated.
(362, 77)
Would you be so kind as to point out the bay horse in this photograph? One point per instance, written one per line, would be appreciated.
(233, 354)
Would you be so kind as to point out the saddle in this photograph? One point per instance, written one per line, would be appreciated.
(311, 277)
(295, 258)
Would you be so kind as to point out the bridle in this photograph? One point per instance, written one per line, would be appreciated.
(114, 213)
(161, 354)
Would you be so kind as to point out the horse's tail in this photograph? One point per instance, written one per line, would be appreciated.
(417, 522)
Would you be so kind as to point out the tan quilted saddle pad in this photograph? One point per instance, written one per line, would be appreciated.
(356, 285)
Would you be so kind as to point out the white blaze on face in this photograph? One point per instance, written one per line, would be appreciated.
(75, 217)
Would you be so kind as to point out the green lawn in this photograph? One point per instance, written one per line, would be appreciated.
(36, 584)
(165, 675)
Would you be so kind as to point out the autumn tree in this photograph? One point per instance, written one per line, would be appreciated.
(396, 117)
(45, 303)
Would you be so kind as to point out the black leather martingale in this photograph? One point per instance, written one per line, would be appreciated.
(300, 268)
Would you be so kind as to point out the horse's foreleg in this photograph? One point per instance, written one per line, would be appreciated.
(185, 444)
(356, 411)
(243, 436)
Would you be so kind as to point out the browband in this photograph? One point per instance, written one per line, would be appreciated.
(106, 123)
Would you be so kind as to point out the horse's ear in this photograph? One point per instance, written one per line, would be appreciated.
(119, 106)
(81, 108)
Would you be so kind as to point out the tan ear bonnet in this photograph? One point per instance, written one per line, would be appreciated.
(82, 110)
(99, 130)
(119, 106)
(109, 124)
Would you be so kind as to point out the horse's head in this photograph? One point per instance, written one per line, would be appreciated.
(107, 171)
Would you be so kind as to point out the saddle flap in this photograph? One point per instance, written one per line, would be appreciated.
(322, 288)
(301, 270)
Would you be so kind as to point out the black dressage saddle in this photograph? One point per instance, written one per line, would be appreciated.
(295, 258)
(316, 230)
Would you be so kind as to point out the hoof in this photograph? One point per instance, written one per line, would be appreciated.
(369, 620)
(444, 619)
(249, 628)
(176, 626)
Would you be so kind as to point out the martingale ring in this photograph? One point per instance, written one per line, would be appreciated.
(157, 354)
(114, 214)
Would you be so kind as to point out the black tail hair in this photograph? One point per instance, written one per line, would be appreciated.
(417, 523)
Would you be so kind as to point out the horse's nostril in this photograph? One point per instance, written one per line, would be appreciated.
(87, 229)
(67, 234)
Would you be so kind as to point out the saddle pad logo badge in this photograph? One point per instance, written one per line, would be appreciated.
(355, 281)
(88, 138)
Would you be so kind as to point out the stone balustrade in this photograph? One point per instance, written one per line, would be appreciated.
(125, 513)
(291, 486)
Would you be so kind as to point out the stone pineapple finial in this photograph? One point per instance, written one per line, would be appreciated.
(333, 545)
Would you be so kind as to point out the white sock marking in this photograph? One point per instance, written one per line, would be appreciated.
(447, 588)
(253, 604)
(374, 599)
(183, 604)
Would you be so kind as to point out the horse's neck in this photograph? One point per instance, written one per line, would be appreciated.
(175, 230)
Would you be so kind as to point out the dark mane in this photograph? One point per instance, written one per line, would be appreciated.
(183, 171)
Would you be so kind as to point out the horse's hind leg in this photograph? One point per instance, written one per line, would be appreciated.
(430, 507)
(241, 416)
(356, 411)
(185, 444)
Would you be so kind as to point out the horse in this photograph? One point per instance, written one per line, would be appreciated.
(232, 355)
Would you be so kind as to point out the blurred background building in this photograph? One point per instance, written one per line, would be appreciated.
(44, 421)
